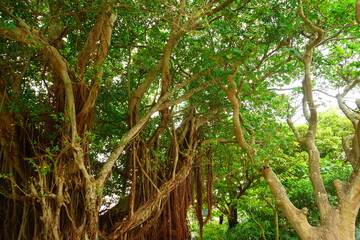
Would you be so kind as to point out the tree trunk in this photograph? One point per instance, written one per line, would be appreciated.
(232, 216)
(47, 205)
(338, 223)
(161, 214)
(221, 219)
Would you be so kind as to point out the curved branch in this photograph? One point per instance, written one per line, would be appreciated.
(348, 113)
(296, 217)
(23, 33)
(235, 102)
(298, 137)
(106, 169)
(105, 38)
(319, 31)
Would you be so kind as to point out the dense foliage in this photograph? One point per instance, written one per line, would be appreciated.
(123, 120)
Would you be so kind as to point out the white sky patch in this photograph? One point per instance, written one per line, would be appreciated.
(324, 99)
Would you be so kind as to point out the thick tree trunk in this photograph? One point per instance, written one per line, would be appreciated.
(232, 216)
(47, 205)
(161, 214)
(47, 175)
(337, 223)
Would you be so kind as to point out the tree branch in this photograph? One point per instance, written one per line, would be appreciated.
(105, 38)
(235, 102)
(23, 33)
(348, 113)
(296, 217)
(319, 31)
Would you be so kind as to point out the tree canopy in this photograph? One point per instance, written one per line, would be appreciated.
(117, 118)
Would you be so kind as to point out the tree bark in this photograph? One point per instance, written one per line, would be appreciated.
(336, 222)
(232, 217)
